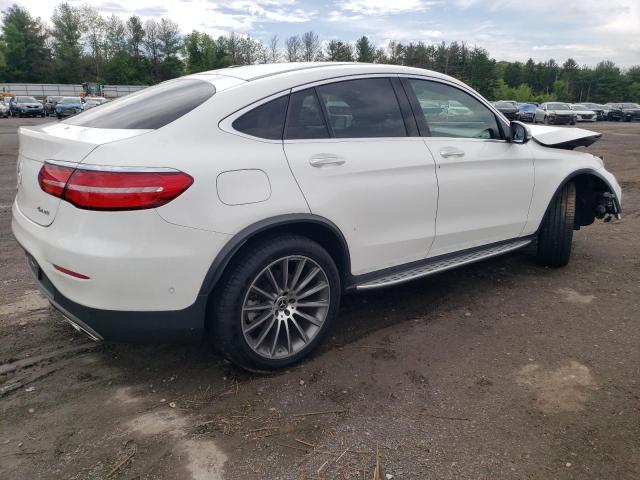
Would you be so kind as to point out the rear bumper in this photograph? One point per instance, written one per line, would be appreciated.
(122, 326)
(145, 274)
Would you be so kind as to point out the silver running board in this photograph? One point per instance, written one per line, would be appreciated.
(445, 264)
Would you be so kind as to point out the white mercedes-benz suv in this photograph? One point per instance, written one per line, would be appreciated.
(240, 204)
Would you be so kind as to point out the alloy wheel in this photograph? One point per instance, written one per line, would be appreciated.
(285, 307)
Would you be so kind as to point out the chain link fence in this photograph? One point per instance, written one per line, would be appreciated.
(71, 90)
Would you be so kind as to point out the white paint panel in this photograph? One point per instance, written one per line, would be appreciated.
(240, 187)
(484, 194)
(383, 196)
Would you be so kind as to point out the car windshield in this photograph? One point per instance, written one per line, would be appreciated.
(26, 100)
(528, 107)
(578, 107)
(630, 105)
(70, 100)
(504, 105)
(558, 106)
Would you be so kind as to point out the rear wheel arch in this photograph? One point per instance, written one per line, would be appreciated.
(314, 227)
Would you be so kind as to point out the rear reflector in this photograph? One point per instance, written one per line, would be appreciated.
(70, 272)
(108, 188)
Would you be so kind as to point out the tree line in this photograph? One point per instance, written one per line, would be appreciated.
(80, 45)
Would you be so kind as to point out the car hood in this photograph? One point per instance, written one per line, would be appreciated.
(584, 112)
(561, 112)
(564, 138)
(67, 105)
(30, 104)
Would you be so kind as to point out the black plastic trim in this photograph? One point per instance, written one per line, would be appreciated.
(241, 238)
(405, 108)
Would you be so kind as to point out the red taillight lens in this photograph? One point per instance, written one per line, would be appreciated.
(53, 178)
(98, 188)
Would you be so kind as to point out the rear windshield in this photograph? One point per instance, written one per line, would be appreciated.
(151, 108)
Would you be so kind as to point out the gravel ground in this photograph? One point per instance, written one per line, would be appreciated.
(500, 370)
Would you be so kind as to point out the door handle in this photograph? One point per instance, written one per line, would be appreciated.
(322, 160)
(447, 152)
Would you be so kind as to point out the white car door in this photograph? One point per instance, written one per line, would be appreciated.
(485, 182)
(349, 148)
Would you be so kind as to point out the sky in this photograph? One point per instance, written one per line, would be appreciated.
(586, 30)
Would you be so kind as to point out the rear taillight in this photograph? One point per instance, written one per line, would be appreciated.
(53, 178)
(112, 188)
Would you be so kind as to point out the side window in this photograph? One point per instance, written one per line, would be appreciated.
(305, 119)
(362, 108)
(265, 121)
(451, 112)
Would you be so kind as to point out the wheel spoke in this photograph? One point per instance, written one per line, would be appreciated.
(274, 344)
(309, 318)
(256, 323)
(285, 273)
(273, 280)
(288, 336)
(270, 296)
(306, 281)
(303, 335)
(311, 291)
(254, 308)
(296, 276)
(322, 303)
(264, 333)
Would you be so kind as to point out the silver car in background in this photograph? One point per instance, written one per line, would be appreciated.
(555, 113)
(583, 113)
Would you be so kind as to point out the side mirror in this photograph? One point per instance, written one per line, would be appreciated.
(520, 133)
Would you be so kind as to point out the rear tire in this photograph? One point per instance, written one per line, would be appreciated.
(260, 321)
(556, 232)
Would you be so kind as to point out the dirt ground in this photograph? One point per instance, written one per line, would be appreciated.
(500, 370)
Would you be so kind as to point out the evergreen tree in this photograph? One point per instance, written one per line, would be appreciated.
(23, 47)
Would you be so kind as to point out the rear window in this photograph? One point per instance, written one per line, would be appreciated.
(151, 108)
(265, 121)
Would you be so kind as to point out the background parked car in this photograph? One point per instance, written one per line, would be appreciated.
(23, 106)
(526, 112)
(69, 106)
(583, 114)
(555, 113)
(50, 104)
(624, 111)
(508, 109)
(597, 108)
(90, 102)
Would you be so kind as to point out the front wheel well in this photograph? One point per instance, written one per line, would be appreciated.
(594, 199)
